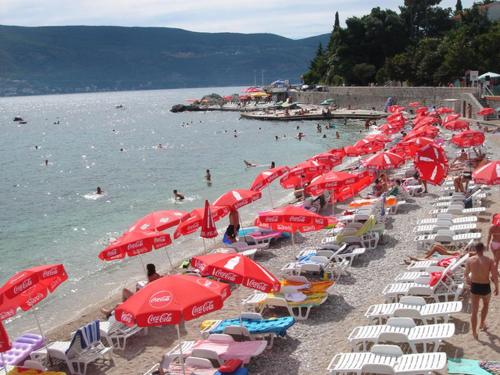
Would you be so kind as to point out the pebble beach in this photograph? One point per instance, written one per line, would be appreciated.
(310, 344)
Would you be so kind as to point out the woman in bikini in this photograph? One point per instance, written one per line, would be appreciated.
(494, 239)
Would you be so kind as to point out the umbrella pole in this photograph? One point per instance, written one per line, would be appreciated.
(180, 349)
(204, 245)
(143, 266)
(293, 242)
(169, 261)
(38, 325)
(270, 195)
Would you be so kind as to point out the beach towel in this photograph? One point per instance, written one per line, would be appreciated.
(309, 288)
(278, 326)
(465, 366)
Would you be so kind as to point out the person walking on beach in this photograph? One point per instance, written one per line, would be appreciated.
(178, 196)
(494, 240)
(477, 274)
(208, 177)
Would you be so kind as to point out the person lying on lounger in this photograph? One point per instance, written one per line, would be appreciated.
(436, 248)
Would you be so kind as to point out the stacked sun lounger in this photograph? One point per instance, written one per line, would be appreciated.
(21, 349)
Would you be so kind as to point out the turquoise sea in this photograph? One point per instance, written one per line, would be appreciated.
(49, 214)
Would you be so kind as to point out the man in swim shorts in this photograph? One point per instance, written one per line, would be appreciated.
(477, 274)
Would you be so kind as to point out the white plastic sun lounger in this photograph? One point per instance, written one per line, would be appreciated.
(299, 310)
(459, 210)
(387, 359)
(348, 253)
(116, 333)
(446, 286)
(416, 308)
(446, 237)
(402, 331)
(433, 228)
(454, 220)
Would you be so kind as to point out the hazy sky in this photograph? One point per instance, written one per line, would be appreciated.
(291, 18)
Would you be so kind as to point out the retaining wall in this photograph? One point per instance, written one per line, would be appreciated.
(368, 97)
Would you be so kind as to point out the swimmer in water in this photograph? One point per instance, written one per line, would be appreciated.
(276, 137)
(178, 196)
(273, 165)
(36, 147)
(248, 164)
(160, 146)
(98, 191)
(46, 162)
(337, 134)
(208, 177)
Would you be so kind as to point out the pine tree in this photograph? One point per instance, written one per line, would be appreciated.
(459, 8)
(336, 26)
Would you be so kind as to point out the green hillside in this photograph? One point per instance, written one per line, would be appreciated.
(89, 58)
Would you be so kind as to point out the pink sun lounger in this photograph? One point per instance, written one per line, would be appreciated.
(226, 348)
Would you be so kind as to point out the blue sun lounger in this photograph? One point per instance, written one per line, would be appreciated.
(252, 326)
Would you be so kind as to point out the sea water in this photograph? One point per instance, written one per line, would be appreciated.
(51, 214)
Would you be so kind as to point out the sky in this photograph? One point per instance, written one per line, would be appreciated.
(290, 18)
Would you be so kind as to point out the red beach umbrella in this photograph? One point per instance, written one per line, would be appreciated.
(237, 269)
(378, 138)
(294, 219)
(160, 220)
(400, 150)
(330, 181)
(328, 159)
(364, 180)
(486, 111)
(451, 117)
(208, 229)
(171, 300)
(302, 173)
(395, 117)
(488, 174)
(28, 288)
(390, 128)
(395, 108)
(422, 111)
(195, 221)
(368, 146)
(456, 125)
(414, 144)
(265, 178)
(428, 131)
(383, 161)
(253, 89)
(468, 138)
(414, 104)
(444, 110)
(235, 199)
(135, 242)
(339, 153)
(351, 151)
(431, 163)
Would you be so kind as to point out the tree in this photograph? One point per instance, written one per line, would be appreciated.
(336, 25)
(458, 7)
(363, 73)
(317, 68)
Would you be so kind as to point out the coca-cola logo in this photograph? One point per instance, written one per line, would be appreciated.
(259, 285)
(271, 219)
(203, 309)
(308, 228)
(50, 272)
(160, 319)
(33, 300)
(229, 276)
(26, 284)
(193, 226)
(7, 314)
(135, 245)
(297, 219)
(127, 318)
(199, 265)
(160, 299)
(112, 252)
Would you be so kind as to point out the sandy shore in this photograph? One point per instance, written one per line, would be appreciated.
(311, 344)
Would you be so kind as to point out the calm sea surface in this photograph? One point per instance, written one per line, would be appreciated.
(48, 214)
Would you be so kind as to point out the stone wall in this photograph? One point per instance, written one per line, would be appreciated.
(368, 97)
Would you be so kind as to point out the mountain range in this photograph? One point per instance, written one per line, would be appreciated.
(63, 59)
